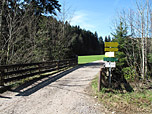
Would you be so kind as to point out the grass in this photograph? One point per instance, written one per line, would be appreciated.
(90, 58)
(126, 103)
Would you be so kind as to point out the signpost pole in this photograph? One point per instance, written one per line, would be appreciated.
(99, 83)
(110, 75)
(110, 48)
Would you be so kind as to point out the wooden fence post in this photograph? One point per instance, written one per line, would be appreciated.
(76, 59)
(58, 64)
(99, 80)
(1, 77)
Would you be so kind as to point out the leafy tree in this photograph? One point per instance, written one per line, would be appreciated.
(19, 29)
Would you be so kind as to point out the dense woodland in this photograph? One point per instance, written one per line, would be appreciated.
(133, 32)
(30, 32)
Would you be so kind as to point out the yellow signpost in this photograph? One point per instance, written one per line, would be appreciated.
(111, 44)
(111, 49)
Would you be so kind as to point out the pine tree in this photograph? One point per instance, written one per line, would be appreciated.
(128, 56)
(101, 43)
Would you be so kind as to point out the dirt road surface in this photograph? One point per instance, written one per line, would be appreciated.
(65, 95)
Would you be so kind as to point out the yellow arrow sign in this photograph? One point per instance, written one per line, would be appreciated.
(111, 44)
(111, 49)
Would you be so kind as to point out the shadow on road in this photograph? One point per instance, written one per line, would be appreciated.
(5, 97)
(49, 79)
(44, 83)
(93, 64)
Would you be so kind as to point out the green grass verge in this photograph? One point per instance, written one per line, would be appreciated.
(126, 103)
(90, 58)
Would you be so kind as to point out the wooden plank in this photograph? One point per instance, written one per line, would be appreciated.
(27, 75)
(21, 71)
(30, 69)
(23, 65)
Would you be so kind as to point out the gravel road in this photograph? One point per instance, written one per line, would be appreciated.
(66, 95)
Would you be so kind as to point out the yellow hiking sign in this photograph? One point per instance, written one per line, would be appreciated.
(111, 49)
(111, 44)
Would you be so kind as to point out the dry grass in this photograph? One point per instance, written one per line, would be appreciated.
(137, 102)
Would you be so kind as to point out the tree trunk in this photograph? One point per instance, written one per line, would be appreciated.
(142, 48)
(146, 42)
(1, 14)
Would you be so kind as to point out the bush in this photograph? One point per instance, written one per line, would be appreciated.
(150, 58)
(129, 73)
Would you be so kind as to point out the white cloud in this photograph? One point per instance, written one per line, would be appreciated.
(77, 19)
(82, 18)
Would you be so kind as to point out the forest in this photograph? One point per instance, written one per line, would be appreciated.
(133, 32)
(30, 32)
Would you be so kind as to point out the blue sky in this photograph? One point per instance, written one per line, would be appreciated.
(96, 15)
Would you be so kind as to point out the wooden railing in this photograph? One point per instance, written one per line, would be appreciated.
(12, 73)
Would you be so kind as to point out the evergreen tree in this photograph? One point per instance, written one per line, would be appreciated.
(30, 36)
(120, 37)
(109, 38)
(101, 43)
(43, 6)
(129, 59)
(106, 39)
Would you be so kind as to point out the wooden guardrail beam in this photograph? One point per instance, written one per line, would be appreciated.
(9, 73)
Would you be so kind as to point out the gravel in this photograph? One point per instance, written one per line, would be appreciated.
(66, 95)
